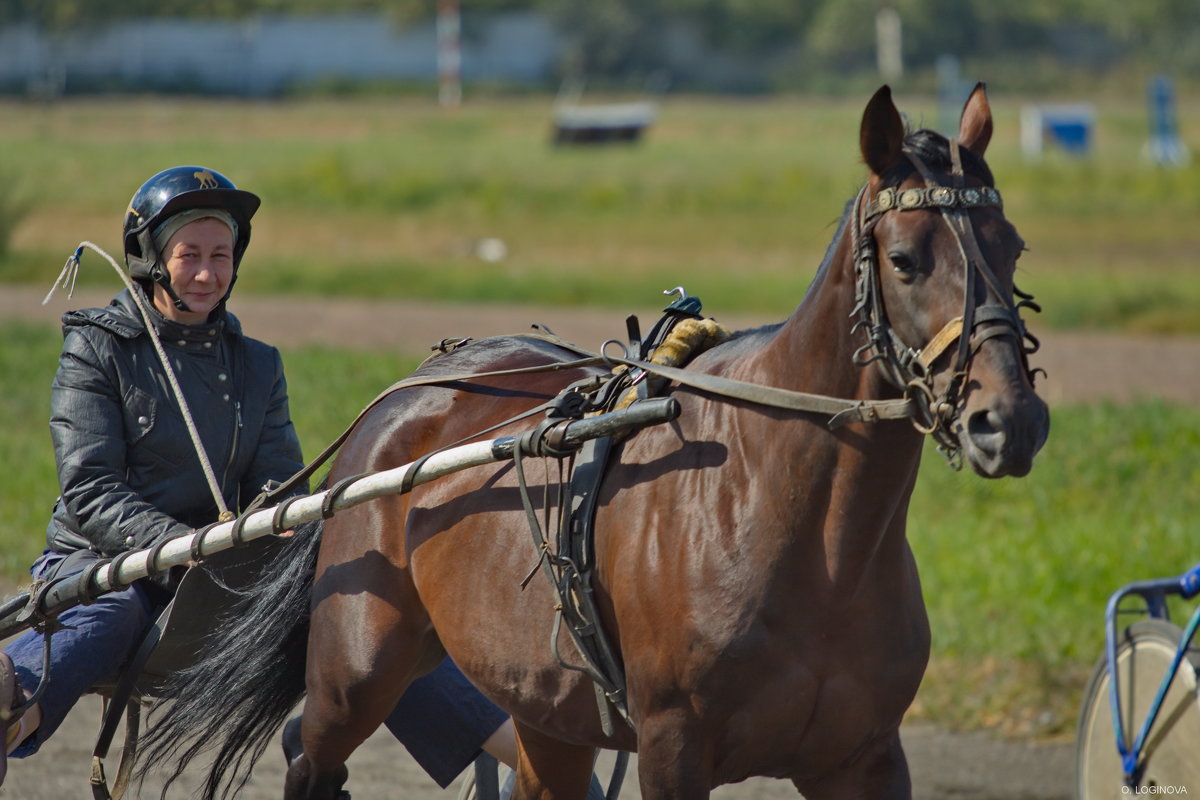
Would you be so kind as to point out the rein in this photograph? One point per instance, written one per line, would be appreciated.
(839, 410)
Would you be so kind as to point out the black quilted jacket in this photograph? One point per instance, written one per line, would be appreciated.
(127, 469)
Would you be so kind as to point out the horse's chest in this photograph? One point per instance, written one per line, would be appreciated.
(799, 697)
(792, 716)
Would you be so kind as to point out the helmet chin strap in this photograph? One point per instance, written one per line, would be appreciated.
(160, 276)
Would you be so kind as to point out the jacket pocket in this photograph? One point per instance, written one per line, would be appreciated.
(140, 411)
(150, 436)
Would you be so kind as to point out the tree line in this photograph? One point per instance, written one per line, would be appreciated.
(790, 43)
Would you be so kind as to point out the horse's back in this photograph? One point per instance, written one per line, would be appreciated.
(459, 393)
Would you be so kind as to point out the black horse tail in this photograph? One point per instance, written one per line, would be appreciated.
(246, 680)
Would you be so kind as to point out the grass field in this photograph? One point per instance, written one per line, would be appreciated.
(737, 200)
(1016, 573)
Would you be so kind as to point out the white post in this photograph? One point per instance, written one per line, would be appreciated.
(1031, 132)
(888, 44)
(449, 54)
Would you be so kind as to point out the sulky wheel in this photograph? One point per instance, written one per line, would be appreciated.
(1171, 755)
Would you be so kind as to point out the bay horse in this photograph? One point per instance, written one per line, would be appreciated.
(751, 564)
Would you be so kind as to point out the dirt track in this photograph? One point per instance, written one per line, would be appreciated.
(944, 767)
(1081, 367)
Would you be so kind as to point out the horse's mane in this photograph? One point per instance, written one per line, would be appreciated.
(931, 147)
(934, 149)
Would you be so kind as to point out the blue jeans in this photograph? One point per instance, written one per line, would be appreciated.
(95, 641)
(443, 721)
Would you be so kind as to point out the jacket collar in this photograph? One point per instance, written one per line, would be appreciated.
(123, 318)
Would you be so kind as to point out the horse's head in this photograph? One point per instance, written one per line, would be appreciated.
(934, 260)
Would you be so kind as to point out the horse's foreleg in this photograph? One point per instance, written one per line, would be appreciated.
(548, 769)
(880, 773)
(673, 759)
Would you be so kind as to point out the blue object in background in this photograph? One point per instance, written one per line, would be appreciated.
(1067, 127)
(1164, 146)
(1072, 132)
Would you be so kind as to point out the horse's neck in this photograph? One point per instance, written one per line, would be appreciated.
(813, 350)
(866, 470)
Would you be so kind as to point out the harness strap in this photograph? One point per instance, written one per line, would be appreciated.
(287, 487)
(572, 586)
(841, 411)
(577, 537)
(120, 701)
(947, 336)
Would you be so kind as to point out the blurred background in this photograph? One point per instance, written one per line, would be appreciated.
(587, 155)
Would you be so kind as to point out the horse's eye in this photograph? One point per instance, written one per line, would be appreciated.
(902, 263)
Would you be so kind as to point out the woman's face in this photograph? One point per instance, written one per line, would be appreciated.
(199, 259)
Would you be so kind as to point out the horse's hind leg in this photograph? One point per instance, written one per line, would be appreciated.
(549, 769)
(303, 782)
(347, 701)
(361, 657)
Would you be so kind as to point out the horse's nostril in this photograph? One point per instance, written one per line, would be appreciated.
(986, 429)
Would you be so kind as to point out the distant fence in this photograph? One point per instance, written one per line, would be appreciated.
(266, 55)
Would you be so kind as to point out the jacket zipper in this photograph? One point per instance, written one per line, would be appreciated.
(237, 428)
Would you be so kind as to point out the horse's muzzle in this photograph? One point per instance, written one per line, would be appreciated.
(1001, 438)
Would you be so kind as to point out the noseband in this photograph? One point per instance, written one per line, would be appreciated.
(910, 368)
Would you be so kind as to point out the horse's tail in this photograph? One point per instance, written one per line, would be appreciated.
(246, 681)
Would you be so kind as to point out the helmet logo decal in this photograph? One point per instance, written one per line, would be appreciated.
(207, 181)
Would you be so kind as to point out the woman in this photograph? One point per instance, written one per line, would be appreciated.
(128, 472)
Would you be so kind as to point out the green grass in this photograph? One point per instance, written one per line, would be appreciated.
(1015, 572)
(737, 200)
(28, 358)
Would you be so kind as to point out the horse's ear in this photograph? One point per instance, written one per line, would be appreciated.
(882, 132)
(975, 128)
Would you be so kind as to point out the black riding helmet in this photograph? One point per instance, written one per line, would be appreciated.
(166, 194)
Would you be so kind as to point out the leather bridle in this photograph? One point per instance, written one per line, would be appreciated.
(908, 368)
